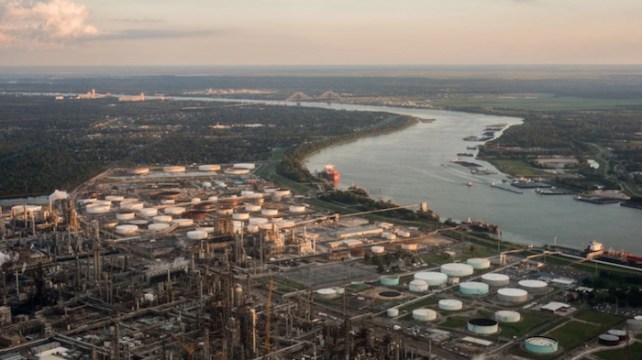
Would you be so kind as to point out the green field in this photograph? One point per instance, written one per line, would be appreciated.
(574, 333)
(516, 167)
(455, 322)
(544, 102)
(599, 318)
(633, 352)
(528, 322)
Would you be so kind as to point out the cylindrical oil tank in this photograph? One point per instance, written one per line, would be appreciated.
(197, 235)
(183, 222)
(285, 224)
(482, 326)
(473, 288)
(139, 222)
(388, 235)
(174, 210)
(389, 280)
(608, 340)
(431, 277)
(327, 293)
(212, 198)
(209, 167)
(207, 229)
(495, 280)
(634, 324)
(296, 209)
(114, 198)
(257, 221)
(138, 171)
(173, 169)
(450, 304)
(225, 211)
(241, 216)
(282, 193)
(269, 212)
(534, 286)
(168, 201)
(541, 345)
(148, 212)
(132, 206)
(424, 314)
(162, 218)
(512, 295)
(252, 208)
(409, 246)
(457, 269)
(195, 201)
(125, 216)
(98, 209)
(619, 333)
(418, 286)
(126, 229)
(479, 263)
(392, 312)
(377, 249)
(231, 171)
(507, 316)
(158, 226)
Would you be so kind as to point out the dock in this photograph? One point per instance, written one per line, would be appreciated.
(506, 189)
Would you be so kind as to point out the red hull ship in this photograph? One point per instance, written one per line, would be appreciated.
(331, 174)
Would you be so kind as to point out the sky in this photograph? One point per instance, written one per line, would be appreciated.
(318, 32)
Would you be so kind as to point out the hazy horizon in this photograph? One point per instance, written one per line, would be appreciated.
(318, 33)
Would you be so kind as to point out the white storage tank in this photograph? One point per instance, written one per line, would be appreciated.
(183, 222)
(225, 211)
(541, 345)
(388, 235)
(296, 209)
(209, 167)
(507, 316)
(212, 198)
(258, 221)
(167, 201)
(431, 277)
(534, 286)
(269, 212)
(482, 326)
(473, 288)
(207, 229)
(126, 229)
(457, 269)
(241, 216)
(635, 324)
(479, 263)
(138, 171)
(158, 226)
(174, 210)
(195, 201)
(173, 169)
(410, 246)
(233, 171)
(252, 208)
(162, 218)
(285, 224)
(98, 209)
(377, 249)
(450, 304)
(125, 216)
(197, 235)
(512, 295)
(328, 293)
(392, 312)
(139, 222)
(418, 286)
(495, 280)
(131, 206)
(424, 314)
(248, 166)
(389, 280)
(116, 198)
(148, 212)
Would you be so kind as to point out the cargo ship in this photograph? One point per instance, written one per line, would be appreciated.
(480, 226)
(596, 250)
(331, 174)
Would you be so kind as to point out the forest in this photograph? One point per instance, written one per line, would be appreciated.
(47, 144)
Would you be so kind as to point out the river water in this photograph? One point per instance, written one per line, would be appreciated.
(414, 165)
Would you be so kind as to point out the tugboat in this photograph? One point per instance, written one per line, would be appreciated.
(469, 184)
(331, 174)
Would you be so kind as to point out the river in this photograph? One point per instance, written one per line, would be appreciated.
(414, 165)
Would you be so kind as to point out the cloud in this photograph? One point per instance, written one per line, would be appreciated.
(38, 23)
(138, 34)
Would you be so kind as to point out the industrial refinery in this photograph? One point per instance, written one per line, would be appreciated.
(209, 261)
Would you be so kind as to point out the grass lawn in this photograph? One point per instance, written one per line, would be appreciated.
(599, 318)
(455, 322)
(528, 322)
(632, 353)
(517, 167)
(437, 259)
(574, 333)
(432, 300)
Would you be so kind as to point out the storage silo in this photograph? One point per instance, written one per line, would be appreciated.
(450, 304)
(473, 288)
(512, 295)
(479, 263)
(495, 280)
(431, 277)
(457, 269)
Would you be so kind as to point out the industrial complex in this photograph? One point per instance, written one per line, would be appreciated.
(209, 261)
